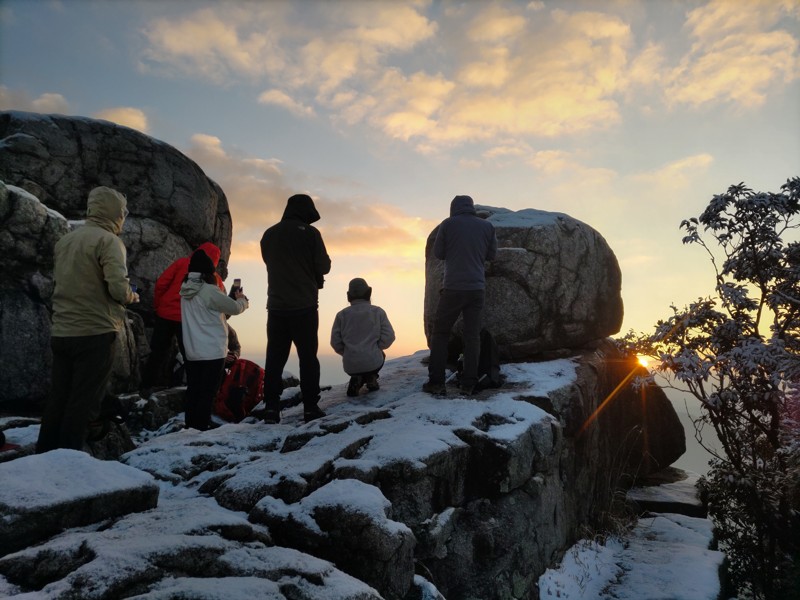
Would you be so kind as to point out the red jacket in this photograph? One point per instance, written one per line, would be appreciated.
(166, 296)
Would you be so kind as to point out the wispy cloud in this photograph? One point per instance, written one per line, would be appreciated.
(676, 174)
(135, 118)
(215, 44)
(480, 72)
(552, 162)
(257, 190)
(739, 52)
(21, 100)
(282, 99)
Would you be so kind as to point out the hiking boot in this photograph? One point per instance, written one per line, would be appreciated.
(372, 383)
(466, 389)
(354, 386)
(435, 389)
(272, 416)
(313, 413)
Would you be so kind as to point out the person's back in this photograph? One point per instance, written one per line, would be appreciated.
(297, 263)
(91, 289)
(295, 256)
(167, 323)
(205, 336)
(360, 334)
(90, 272)
(361, 331)
(465, 242)
(166, 292)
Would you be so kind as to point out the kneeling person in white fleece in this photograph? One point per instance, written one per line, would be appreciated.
(361, 332)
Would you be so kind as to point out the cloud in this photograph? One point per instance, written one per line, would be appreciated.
(134, 118)
(321, 47)
(21, 100)
(676, 174)
(282, 99)
(500, 73)
(257, 189)
(406, 107)
(496, 24)
(738, 55)
(355, 43)
(214, 44)
(475, 73)
(507, 149)
(552, 162)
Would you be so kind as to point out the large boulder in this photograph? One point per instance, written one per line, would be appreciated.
(28, 232)
(554, 284)
(48, 164)
(174, 207)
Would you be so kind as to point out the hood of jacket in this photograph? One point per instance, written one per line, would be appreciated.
(212, 251)
(301, 207)
(462, 205)
(192, 286)
(106, 208)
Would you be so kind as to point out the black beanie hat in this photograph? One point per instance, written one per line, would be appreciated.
(201, 263)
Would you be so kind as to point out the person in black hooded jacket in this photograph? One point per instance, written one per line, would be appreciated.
(297, 263)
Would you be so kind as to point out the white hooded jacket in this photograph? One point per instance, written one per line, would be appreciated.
(203, 310)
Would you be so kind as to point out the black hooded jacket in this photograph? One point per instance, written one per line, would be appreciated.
(296, 258)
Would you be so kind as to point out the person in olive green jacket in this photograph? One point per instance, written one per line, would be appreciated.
(91, 291)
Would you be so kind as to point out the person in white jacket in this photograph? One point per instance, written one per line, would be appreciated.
(361, 332)
(205, 336)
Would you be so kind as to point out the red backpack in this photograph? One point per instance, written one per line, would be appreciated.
(241, 390)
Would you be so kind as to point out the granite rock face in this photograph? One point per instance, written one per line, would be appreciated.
(48, 165)
(478, 495)
(174, 207)
(28, 233)
(555, 284)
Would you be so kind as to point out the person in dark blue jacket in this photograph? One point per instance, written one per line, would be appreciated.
(297, 263)
(464, 242)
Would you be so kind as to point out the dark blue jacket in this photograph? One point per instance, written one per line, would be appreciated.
(464, 242)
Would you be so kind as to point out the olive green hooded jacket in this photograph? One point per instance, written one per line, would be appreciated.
(91, 273)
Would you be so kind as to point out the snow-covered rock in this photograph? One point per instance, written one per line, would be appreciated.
(477, 494)
(73, 489)
(554, 284)
(666, 555)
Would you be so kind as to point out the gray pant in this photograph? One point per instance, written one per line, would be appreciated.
(453, 303)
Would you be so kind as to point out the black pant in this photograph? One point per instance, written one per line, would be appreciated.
(202, 382)
(164, 330)
(81, 371)
(373, 373)
(283, 329)
(453, 303)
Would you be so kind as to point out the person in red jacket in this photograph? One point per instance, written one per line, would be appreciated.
(167, 325)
